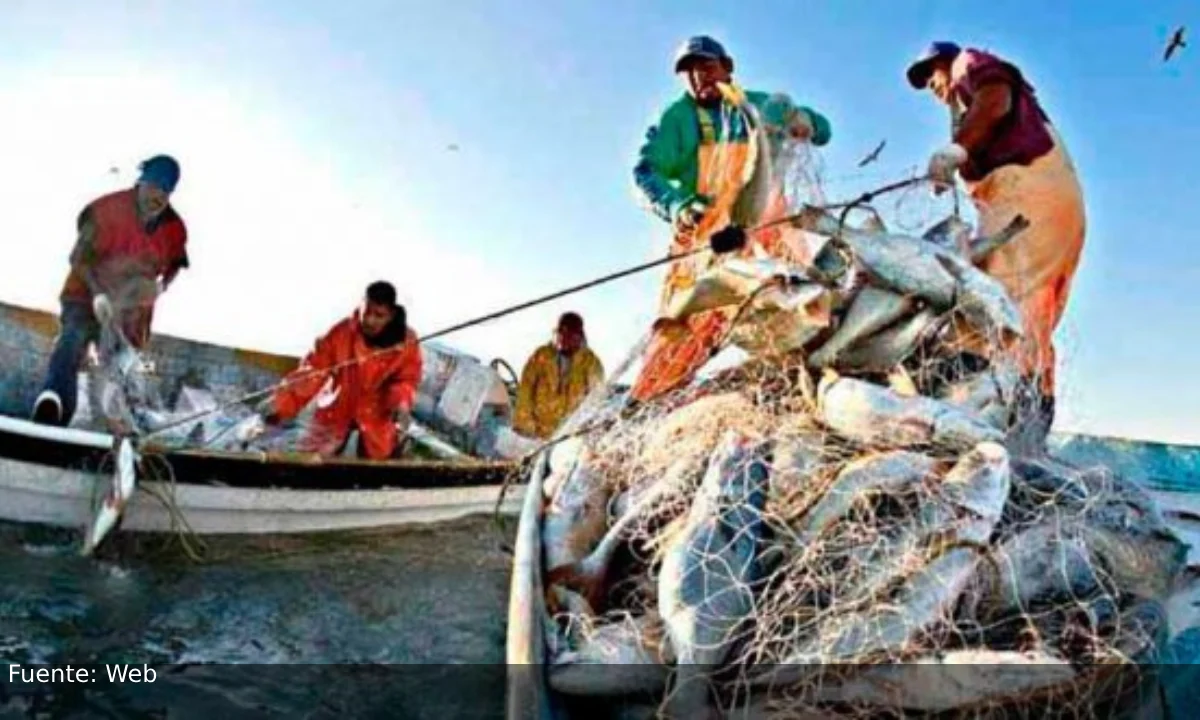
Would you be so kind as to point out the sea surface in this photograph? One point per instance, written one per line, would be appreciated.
(380, 624)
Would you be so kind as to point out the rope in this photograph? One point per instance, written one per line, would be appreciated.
(440, 333)
(606, 423)
(864, 198)
(181, 529)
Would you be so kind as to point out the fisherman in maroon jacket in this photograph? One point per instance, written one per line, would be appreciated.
(1013, 162)
(130, 247)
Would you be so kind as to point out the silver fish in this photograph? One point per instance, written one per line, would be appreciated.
(988, 394)
(887, 630)
(983, 300)
(753, 198)
(704, 586)
(906, 265)
(1046, 563)
(883, 351)
(973, 493)
(783, 318)
(121, 487)
(952, 233)
(590, 573)
(561, 459)
(615, 658)
(880, 473)
(909, 266)
(952, 681)
(871, 310)
(723, 285)
(877, 416)
(972, 497)
(574, 520)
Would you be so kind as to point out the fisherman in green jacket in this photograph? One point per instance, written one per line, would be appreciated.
(706, 168)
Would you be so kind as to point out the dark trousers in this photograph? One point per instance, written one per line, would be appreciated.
(78, 329)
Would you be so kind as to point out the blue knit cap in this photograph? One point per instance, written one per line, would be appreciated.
(161, 171)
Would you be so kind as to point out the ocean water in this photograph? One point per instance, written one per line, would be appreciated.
(380, 624)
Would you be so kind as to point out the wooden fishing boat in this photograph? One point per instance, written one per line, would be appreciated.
(1169, 473)
(455, 465)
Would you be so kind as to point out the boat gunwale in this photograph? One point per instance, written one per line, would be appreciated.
(75, 449)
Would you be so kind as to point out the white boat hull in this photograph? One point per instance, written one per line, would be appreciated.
(34, 493)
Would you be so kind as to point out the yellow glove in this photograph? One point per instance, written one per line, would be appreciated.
(733, 94)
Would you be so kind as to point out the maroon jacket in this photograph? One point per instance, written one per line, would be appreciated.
(1020, 137)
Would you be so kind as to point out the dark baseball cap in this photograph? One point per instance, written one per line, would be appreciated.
(922, 67)
(701, 46)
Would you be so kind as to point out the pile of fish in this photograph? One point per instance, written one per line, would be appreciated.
(843, 522)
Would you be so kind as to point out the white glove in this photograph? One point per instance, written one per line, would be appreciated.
(690, 215)
(945, 161)
(800, 127)
(102, 308)
(250, 429)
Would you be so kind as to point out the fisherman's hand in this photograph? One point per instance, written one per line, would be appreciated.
(671, 329)
(266, 410)
(689, 214)
(943, 165)
(800, 126)
(402, 418)
(729, 239)
(102, 308)
(250, 430)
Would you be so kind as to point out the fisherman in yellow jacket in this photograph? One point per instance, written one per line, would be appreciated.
(556, 379)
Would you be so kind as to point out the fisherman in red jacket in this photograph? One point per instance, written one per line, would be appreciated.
(364, 374)
(130, 247)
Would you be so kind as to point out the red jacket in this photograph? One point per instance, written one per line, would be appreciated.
(128, 258)
(366, 393)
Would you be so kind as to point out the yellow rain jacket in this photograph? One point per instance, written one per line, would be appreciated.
(552, 387)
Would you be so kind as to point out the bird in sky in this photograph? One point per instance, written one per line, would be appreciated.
(1176, 43)
(874, 154)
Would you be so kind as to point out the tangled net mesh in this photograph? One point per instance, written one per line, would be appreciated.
(882, 542)
(125, 394)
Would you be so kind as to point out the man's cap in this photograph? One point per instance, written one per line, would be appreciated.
(701, 46)
(922, 67)
(161, 171)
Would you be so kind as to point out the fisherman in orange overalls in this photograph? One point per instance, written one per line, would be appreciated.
(696, 163)
(363, 374)
(1013, 162)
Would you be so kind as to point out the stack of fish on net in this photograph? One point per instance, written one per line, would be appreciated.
(840, 521)
(124, 396)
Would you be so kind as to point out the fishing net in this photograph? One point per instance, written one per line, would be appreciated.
(175, 394)
(853, 521)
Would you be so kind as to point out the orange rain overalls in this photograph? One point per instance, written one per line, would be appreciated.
(675, 353)
(1038, 265)
(366, 391)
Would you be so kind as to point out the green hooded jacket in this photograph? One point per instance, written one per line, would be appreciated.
(669, 160)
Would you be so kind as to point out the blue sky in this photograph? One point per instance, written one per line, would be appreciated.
(315, 136)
